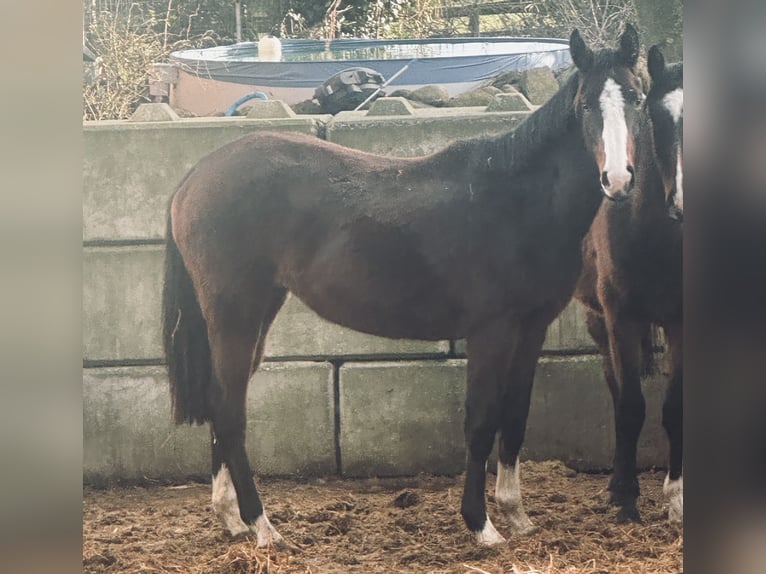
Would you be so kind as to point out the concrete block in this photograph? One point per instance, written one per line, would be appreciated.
(154, 113)
(424, 132)
(568, 332)
(122, 297)
(406, 418)
(571, 416)
(128, 431)
(509, 102)
(391, 107)
(265, 109)
(291, 419)
(299, 332)
(130, 169)
(402, 418)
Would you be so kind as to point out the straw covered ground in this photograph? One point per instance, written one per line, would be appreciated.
(408, 525)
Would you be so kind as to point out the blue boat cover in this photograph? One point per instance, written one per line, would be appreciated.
(307, 63)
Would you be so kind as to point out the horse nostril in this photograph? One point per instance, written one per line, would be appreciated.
(632, 173)
(604, 179)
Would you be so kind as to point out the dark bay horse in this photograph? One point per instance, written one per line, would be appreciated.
(478, 241)
(632, 283)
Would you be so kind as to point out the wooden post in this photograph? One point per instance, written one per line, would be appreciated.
(238, 17)
(474, 20)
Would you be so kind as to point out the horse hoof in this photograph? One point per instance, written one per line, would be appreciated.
(521, 525)
(674, 490)
(266, 534)
(527, 530)
(283, 546)
(241, 536)
(629, 514)
(488, 536)
(676, 515)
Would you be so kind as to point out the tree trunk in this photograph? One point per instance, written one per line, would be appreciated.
(661, 22)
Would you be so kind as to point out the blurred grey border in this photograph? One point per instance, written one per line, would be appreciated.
(40, 285)
(725, 287)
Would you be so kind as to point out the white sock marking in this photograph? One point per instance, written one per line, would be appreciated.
(674, 491)
(678, 200)
(225, 502)
(615, 137)
(674, 103)
(508, 496)
(488, 536)
(226, 506)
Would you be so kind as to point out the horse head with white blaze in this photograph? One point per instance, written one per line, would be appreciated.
(609, 105)
(665, 103)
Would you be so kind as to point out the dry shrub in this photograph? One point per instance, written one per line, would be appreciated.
(599, 21)
(127, 40)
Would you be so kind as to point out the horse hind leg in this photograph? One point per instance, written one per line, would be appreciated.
(237, 340)
(672, 421)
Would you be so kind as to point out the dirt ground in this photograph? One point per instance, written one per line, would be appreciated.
(382, 525)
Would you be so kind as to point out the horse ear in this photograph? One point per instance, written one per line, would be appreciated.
(582, 56)
(655, 63)
(629, 45)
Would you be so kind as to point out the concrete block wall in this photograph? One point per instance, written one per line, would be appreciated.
(328, 400)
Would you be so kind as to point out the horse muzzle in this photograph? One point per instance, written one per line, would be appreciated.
(618, 186)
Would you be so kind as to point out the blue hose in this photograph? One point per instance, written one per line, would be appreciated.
(233, 107)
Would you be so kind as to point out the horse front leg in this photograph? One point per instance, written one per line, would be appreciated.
(489, 352)
(672, 421)
(516, 398)
(625, 337)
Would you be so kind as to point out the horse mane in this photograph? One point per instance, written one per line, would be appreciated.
(513, 151)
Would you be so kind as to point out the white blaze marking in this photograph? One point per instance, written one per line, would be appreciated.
(225, 502)
(674, 103)
(674, 490)
(678, 200)
(488, 536)
(614, 136)
(508, 496)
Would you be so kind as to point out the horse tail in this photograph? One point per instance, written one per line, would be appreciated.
(184, 333)
(651, 342)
